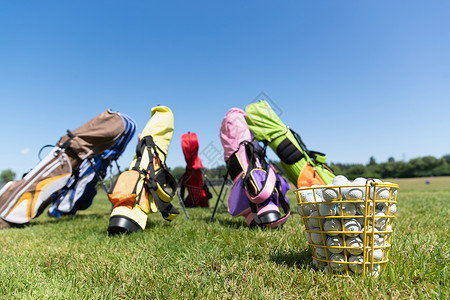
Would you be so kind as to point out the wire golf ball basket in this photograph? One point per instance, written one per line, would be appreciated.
(349, 227)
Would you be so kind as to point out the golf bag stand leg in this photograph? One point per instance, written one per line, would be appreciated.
(222, 201)
(210, 183)
(183, 206)
(218, 197)
(99, 177)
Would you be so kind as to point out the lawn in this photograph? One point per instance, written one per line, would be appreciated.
(74, 258)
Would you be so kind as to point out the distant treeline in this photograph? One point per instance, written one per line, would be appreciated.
(416, 167)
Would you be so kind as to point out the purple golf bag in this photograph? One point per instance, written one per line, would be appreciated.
(258, 191)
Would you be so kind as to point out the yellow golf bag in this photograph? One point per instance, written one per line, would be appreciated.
(147, 186)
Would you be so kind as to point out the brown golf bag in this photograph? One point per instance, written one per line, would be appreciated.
(25, 199)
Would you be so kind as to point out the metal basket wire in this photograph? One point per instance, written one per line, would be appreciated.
(338, 245)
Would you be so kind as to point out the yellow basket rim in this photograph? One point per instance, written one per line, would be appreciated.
(372, 184)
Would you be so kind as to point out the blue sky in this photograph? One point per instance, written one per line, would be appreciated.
(354, 78)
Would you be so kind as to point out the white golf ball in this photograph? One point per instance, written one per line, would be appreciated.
(371, 189)
(313, 222)
(307, 195)
(361, 180)
(392, 208)
(336, 265)
(361, 207)
(330, 194)
(369, 232)
(382, 241)
(382, 193)
(351, 226)
(387, 230)
(360, 221)
(356, 245)
(318, 264)
(357, 192)
(335, 241)
(339, 179)
(327, 209)
(308, 237)
(320, 252)
(310, 207)
(377, 254)
(380, 219)
(393, 191)
(358, 260)
(318, 192)
(331, 225)
(307, 208)
(375, 271)
(345, 209)
(316, 238)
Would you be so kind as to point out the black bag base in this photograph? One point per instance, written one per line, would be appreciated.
(266, 218)
(269, 217)
(122, 224)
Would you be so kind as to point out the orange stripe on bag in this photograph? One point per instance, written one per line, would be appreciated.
(309, 177)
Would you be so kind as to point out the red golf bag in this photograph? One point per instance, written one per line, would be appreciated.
(192, 180)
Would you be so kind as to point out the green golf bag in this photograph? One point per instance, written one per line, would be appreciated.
(302, 166)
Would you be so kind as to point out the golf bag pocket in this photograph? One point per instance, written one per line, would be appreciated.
(238, 203)
(266, 213)
(123, 191)
(259, 184)
(166, 185)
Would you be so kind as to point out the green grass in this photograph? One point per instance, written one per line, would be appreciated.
(74, 258)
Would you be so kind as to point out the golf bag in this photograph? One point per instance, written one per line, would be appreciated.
(81, 188)
(23, 200)
(192, 180)
(302, 166)
(258, 191)
(147, 186)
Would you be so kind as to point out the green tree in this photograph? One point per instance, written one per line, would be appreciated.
(177, 172)
(372, 161)
(6, 176)
(355, 171)
(446, 158)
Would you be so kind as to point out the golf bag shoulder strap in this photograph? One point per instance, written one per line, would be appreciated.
(157, 181)
(234, 166)
(66, 144)
(318, 157)
(246, 161)
(290, 154)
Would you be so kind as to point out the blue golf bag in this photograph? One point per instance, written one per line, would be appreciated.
(81, 189)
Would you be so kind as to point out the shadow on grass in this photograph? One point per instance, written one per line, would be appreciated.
(232, 223)
(64, 219)
(292, 258)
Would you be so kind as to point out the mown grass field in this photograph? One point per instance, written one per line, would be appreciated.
(74, 258)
